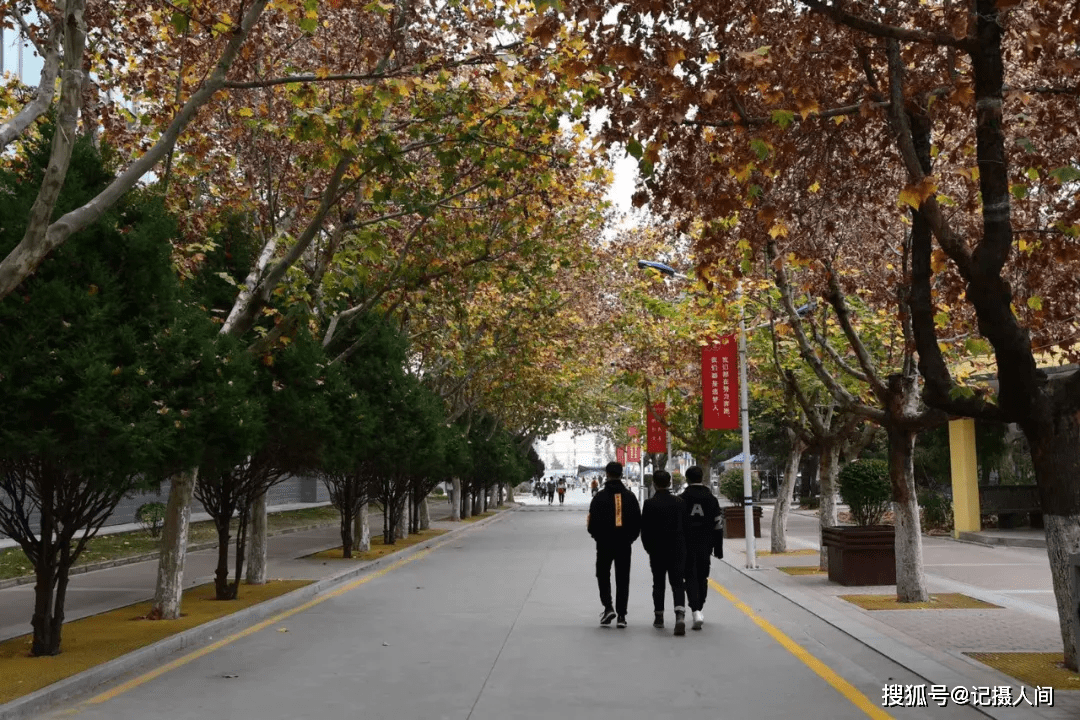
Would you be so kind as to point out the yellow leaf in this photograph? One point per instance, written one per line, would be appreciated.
(778, 229)
(839, 119)
(245, 112)
(806, 107)
(916, 195)
(815, 187)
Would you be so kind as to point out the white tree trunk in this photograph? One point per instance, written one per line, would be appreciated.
(1063, 539)
(828, 468)
(170, 577)
(425, 515)
(910, 576)
(509, 493)
(362, 530)
(403, 524)
(455, 497)
(778, 532)
(256, 543)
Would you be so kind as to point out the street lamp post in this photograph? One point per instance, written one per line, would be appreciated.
(748, 487)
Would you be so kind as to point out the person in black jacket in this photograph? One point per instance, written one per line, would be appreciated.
(704, 536)
(614, 521)
(662, 534)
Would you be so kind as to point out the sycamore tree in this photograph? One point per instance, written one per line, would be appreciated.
(955, 110)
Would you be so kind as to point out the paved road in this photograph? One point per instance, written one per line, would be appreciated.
(501, 622)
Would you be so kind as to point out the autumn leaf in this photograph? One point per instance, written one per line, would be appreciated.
(916, 195)
(674, 57)
(783, 118)
(807, 107)
(938, 261)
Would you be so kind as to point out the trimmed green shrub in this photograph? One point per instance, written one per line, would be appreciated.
(731, 485)
(937, 510)
(865, 487)
(151, 516)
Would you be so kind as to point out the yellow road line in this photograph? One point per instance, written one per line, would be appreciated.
(826, 673)
(196, 654)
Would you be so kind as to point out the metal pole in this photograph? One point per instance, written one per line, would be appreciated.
(641, 458)
(744, 401)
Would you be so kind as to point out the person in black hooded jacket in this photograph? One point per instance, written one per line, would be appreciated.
(614, 521)
(704, 536)
(662, 534)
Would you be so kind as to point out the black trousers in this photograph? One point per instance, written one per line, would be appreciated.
(668, 568)
(697, 575)
(605, 556)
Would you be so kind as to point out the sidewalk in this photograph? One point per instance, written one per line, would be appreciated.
(102, 590)
(195, 517)
(933, 643)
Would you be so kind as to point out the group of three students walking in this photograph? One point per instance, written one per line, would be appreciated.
(679, 534)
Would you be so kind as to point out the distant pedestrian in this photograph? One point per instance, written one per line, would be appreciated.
(662, 533)
(614, 521)
(704, 536)
(595, 486)
(551, 491)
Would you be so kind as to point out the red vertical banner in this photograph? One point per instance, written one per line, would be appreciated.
(620, 455)
(633, 450)
(656, 433)
(720, 384)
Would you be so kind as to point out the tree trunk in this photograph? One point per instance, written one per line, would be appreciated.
(346, 528)
(466, 504)
(1055, 453)
(455, 500)
(484, 501)
(910, 576)
(256, 549)
(806, 487)
(778, 533)
(509, 493)
(361, 535)
(425, 515)
(222, 591)
(828, 464)
(46, 641)
(401, 527)
(170, 576)
(475, 503)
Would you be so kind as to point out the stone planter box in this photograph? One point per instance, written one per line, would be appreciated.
(861, 555)
(735, 522)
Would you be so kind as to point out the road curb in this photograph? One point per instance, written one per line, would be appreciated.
(143, 557)
(929, 669)
(83, 683)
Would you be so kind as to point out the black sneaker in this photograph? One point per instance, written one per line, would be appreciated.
(621, 622)
(606, 617)
(658, 620)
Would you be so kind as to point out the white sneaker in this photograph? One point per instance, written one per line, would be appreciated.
(699, 620)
